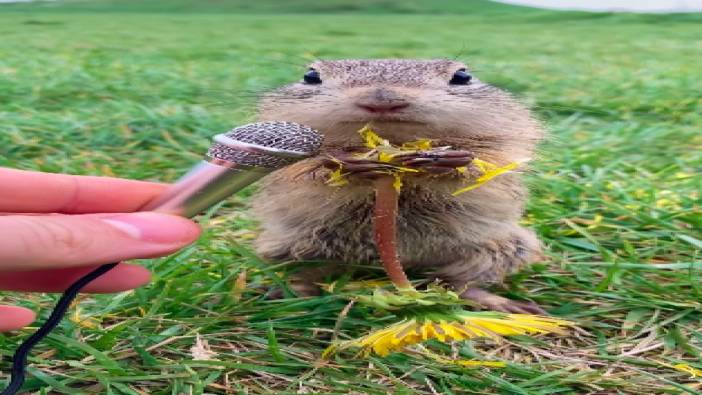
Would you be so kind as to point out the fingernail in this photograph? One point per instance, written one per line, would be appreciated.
(154, 228)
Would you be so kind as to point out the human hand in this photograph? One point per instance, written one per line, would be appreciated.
(55, 228)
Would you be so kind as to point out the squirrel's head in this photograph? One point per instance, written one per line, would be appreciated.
(403, 100)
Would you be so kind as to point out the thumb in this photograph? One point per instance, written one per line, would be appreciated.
(55, 241)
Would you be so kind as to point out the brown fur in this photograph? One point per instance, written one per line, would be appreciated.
(470, 240)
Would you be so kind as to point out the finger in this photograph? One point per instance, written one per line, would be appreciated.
(12, 318)
(123, 277)
(59, 241)
(35, 192)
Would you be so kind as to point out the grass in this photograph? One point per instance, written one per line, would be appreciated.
(476, 8)
(616, 196)
(273, 6)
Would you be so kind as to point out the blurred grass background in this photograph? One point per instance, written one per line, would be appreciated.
(134, 89)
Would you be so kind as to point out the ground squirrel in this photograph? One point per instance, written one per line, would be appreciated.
(469, 241)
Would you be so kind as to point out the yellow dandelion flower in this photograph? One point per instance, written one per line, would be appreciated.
(461, 326)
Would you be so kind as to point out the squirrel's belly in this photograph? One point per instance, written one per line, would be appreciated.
(427, 235)
(316, 222)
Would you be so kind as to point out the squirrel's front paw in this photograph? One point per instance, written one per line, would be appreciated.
(438, 161)
(490, 301)
(359, 167)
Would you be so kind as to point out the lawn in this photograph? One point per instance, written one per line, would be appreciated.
(126, 91)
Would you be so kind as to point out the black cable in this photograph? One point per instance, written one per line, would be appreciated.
(19, 360)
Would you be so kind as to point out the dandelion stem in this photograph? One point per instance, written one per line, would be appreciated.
(385, 230)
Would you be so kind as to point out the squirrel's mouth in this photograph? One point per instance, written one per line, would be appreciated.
(385, 121)
(401, 116)
(384, 111)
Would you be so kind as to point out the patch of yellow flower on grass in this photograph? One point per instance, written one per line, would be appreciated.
(450, 326)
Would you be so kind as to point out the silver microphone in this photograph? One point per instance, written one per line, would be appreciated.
(236, 159)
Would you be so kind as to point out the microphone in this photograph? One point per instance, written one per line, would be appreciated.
(236, 159)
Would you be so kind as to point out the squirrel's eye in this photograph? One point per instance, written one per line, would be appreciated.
(461, 77)
(312, 77)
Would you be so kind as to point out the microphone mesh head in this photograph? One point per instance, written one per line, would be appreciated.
(285, 136)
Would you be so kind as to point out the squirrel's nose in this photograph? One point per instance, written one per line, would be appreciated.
(382, 101)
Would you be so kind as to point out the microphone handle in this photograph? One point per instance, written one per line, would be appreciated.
(205, 185)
